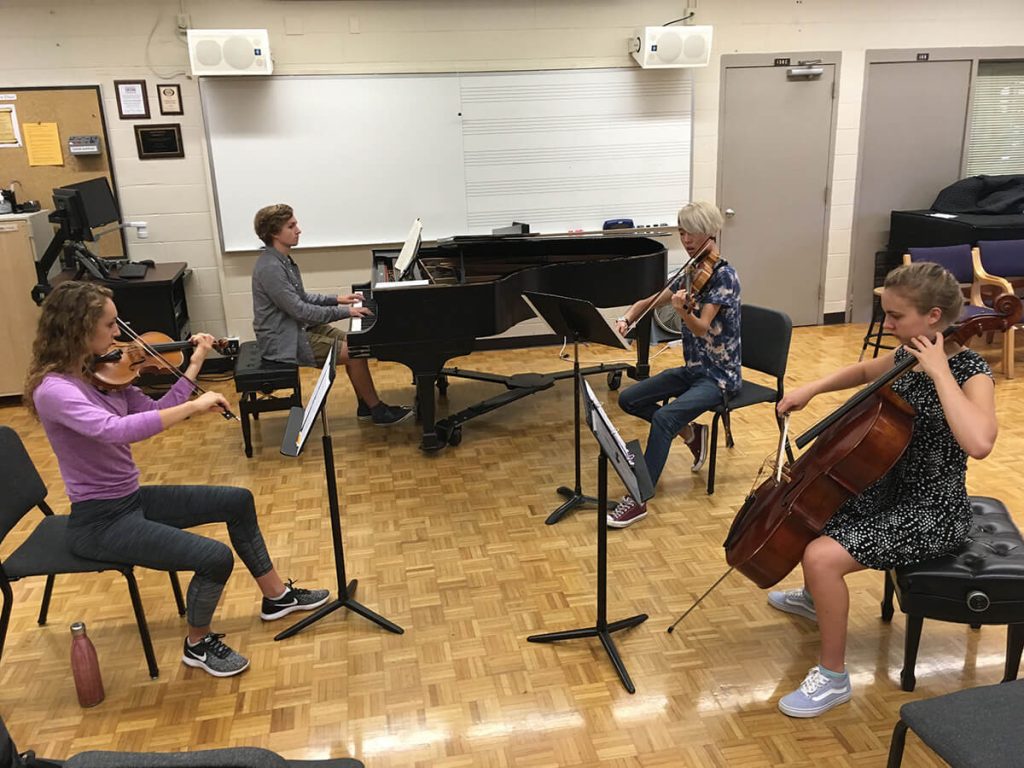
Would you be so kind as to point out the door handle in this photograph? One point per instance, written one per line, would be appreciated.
(729, 213)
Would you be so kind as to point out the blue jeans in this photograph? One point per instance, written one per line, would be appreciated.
(144, 529)
(694, 394)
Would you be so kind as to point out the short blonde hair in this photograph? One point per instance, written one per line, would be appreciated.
(270, 220)
(926, 285)
(701, 219)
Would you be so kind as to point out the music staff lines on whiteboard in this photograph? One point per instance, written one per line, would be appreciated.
(568, 90)
(507, 125)
(539, 185)
(527, 155)
(487, 217)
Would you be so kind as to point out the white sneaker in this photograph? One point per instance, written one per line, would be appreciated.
(795, 601)
(817, 693)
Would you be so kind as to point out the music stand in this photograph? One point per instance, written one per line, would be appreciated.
(579, 320)
(628, 460)
(300, 424)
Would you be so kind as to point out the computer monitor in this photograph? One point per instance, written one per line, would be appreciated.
(410, 250)
(86, 205)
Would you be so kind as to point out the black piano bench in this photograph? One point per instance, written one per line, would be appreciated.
(981, 584)
(255, 376)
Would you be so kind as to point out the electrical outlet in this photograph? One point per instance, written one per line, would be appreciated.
(183, 21)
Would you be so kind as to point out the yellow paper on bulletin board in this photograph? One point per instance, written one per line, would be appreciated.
(43, 144)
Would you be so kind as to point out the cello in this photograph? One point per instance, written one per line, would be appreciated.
(854, 447)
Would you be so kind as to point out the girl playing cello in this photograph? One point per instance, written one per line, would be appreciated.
(919, 509)
(112, 517)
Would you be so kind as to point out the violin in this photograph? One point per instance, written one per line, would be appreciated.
(695, 273)
(151, 352)
(854, 447)
(700, 268)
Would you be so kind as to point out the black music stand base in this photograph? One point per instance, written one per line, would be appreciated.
(602, 629)
(331, 607)
(605, 633)
(573, 499)
(345, 587)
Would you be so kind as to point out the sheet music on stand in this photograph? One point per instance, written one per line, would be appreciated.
(595, 407)
(632, 472)
(294, 440)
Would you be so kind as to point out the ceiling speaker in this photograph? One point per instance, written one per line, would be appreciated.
(663, 47)
(229, 52)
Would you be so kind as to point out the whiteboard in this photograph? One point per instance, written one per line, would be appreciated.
(360, 156)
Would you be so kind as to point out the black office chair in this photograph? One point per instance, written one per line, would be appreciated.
(765, 335)
(45, 552)
(234, 757)
(975, 728)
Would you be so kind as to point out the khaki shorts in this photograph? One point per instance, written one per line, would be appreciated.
(321, 337)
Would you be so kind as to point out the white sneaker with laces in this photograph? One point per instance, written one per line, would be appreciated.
(795, 601)
(818, 693)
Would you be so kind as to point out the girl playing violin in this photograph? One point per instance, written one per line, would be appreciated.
(711, 349)
(113, 518)
(919, 509)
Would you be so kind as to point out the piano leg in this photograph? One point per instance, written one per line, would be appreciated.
(425, 402)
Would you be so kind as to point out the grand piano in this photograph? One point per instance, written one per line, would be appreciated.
(467, 288)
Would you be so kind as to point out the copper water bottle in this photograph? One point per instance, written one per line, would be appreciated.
(85, 667)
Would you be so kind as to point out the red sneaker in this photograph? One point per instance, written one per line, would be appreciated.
(627, 512)
(698, 446)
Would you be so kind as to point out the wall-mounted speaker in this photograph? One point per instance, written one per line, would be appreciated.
(229, 52)
(660, 47)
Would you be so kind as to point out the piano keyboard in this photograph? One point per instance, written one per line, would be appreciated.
(357, 324)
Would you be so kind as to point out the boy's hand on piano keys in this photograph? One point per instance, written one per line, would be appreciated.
(352, 298)
(360, 311)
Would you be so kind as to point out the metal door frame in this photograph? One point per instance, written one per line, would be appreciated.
(768, 60)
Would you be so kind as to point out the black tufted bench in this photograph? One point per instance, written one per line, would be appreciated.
(255, 376)
(982, 584)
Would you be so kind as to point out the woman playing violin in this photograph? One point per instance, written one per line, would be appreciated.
(711, 349)
(919, 509)
(113, 518)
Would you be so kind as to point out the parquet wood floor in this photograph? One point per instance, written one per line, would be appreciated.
(453, 547)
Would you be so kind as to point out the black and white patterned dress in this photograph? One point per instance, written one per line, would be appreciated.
(919, 510)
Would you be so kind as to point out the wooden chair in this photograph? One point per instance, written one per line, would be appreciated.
(999, 267)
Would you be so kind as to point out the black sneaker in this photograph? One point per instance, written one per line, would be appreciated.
(385, 415)
(213, 656)
(363, 412)
(293, 599)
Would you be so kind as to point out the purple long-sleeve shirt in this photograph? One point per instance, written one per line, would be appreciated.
(90, 432)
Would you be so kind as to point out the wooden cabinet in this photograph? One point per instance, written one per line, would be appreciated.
(23, 238)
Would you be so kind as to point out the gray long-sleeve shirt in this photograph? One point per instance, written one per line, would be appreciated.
(282, 309)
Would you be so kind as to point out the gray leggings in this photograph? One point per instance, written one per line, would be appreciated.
(145, 529)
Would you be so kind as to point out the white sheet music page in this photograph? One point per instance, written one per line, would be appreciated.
(599, 409)
(323, 385)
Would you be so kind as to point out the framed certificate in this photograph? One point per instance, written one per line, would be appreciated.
(170, 99)
(156, 142)
(132, 101)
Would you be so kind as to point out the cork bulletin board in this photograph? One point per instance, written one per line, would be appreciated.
(77, 110)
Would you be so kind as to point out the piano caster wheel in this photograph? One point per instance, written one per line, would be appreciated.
(455, 437)
(614, 380)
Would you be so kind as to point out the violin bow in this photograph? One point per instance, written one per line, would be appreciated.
(150, 350)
